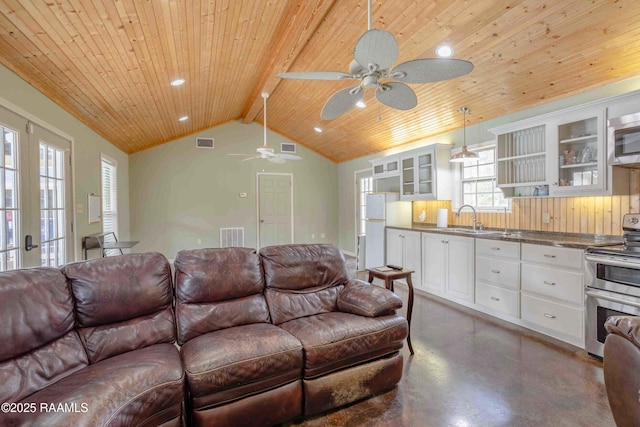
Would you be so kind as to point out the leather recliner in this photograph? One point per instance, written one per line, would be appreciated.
(622, 369)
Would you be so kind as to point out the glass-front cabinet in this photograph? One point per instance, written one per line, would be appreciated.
(578, 163)
(385, 167)
(425, 173)
(418, 179)
(563, 154)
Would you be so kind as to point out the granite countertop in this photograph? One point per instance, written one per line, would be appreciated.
(567, 240)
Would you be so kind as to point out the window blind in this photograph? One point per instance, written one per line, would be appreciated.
(109, 196)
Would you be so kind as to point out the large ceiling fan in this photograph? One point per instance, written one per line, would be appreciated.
(266, 152)
(374, 55)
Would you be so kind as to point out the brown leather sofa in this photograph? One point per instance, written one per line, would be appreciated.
(253, 339)
(622, 369)
(90, 345)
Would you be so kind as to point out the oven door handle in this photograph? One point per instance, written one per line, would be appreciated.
(608, 297)
(613, 262)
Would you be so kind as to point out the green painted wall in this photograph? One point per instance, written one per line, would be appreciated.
(87, 148)
(180, 193)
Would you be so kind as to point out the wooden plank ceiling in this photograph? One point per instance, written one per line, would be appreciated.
(109, 62)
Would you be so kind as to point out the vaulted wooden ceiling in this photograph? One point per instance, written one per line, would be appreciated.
(109, 63)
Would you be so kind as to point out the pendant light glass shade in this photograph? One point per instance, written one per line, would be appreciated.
(464, 155)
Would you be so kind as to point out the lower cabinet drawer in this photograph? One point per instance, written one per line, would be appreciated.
(497, 299)
(498, 271)
(564, 285)
(554, 316)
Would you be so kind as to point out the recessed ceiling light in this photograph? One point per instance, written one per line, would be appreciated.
(183, 118)
(318, 129)
(444, 51)
(177, 82)
(361, 104)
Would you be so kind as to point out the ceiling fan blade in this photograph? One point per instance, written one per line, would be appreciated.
(377, 49)
(316, 75)
(275, 160)
(250, 158)
(430, 70)
(287, 156)
(341, 102)
(238, 154)
(397, 95)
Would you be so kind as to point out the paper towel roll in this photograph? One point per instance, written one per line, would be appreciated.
(443, 218)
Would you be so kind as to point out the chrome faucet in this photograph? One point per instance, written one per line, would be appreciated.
(474, 214)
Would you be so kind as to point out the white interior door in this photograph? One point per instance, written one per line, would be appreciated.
(35, 197)
(275, 209)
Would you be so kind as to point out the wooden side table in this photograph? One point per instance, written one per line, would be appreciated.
(389, 277)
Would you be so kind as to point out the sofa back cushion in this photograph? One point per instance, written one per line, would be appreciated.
(302, 279)
(218, 289)
(39, 345)
(122, 303)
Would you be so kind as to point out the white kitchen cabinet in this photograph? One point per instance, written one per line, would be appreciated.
(448, 266)
(403, 249)
(552, 294)
(559, 155)
(385, 167)
(498, 277)
(425, 173)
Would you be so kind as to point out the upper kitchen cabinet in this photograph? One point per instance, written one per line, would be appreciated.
(385, 167)
(560, 154)
(425, 173)
(578, 162)
(522, 160)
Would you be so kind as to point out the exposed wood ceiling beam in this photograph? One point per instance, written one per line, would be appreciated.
(301, 21)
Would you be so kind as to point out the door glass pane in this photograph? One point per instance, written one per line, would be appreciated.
(52, 209)
(9, 214)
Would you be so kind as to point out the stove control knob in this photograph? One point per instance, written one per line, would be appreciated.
(634, 220)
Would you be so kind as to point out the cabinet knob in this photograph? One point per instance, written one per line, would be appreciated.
(546, 282)
(554, 184)
(549, 256)
(549, 316)
(495, 248)
(495, 298)
(495, 271)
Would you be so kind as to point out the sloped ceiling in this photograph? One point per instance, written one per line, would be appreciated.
(109, 63)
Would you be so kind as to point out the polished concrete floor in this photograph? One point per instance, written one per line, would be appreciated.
(470, 369)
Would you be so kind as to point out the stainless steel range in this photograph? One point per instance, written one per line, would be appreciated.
(612, 283)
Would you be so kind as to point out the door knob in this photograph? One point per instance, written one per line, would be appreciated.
(28, 243)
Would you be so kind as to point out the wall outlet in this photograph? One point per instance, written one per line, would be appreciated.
(313, 236)
(243, 195)
(322, 235)
(199, 241)
(545, 218)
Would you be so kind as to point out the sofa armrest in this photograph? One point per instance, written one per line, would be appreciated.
(365, 299)
(626, 326)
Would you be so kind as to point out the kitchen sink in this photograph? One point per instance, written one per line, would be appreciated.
(470, 231)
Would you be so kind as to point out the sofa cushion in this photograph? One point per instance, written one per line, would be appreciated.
(365, 299)
(334, 341)
(230, 363)
(39, 345)
(122, 303)
(302, 280)
(141, 387)
(217, 289)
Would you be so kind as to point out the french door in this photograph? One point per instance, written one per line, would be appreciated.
(35, 195)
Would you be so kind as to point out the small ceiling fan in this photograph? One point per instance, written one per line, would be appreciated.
(374, 55)
(266, 152)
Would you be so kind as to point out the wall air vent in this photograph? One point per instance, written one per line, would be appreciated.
(204, 143)
(232, 237)
(286, 147)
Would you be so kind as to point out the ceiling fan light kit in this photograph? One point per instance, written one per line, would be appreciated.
(266, 152)
(374, 55)
(464, 155)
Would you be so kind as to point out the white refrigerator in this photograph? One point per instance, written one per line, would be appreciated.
(383, 209)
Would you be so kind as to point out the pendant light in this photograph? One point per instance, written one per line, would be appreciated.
(464, 155)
